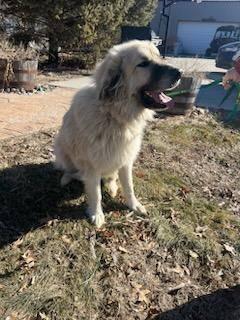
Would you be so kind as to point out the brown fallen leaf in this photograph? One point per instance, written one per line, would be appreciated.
(173, 217)
(140, 174)
(17, 243)
(33, 280)
(199, 231)
(2, 286)
(106, 233)
(187, 271)
(12, 316)
(52, 222)
(66, 239)
(229, 248)
(116, 214)
(142, 295)
(178, 269)
(193, 254)
(123, 249)
(23, 287)
(43, 316)
(176, 288)
(135, 285)
(29, 258)
(185, 190)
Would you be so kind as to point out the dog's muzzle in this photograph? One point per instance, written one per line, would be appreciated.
(163, 78)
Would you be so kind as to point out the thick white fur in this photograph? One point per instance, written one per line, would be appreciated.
(102, 132)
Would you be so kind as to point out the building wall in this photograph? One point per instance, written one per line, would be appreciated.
(210, 10)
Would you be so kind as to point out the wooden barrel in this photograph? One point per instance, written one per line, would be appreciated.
(185, 102)
(3, 72)
(24, 74)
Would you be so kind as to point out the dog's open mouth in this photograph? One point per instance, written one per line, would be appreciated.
(156, 100)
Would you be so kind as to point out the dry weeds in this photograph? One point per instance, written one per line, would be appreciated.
(12, 52)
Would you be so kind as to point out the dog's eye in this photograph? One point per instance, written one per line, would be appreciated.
(144, 64)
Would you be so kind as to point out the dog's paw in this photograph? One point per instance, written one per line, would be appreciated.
(98, 219)
(137, 206)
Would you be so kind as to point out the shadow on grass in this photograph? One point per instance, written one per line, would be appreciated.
(30, 196)
(223, 304)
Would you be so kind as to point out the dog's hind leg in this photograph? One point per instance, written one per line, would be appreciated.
(111, 184)
(64, 162)
(69, 176)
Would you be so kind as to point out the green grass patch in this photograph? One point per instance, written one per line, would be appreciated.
(183, 219)
(207, 132)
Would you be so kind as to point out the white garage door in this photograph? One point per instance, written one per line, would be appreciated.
(195, 37)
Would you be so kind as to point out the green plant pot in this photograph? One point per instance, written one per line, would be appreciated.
(185, 102)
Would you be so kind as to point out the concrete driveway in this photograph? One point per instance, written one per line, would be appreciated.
(75, 83)
(210, 98)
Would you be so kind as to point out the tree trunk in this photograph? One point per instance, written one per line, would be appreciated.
(53, 57)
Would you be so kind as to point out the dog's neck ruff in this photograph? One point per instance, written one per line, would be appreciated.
(121, 113)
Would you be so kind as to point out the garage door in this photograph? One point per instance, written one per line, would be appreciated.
(195, 37)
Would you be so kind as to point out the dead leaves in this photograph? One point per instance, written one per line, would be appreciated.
(2, 286)
(66, 239)
(12, 316)
(229, 249)
(16, 244)
(43, 316)
(142, 296)
(28, 259)
(180, 270)
(141, 293)
(193, 254)
(174, 290)
(200, 231)
(140, 174)
(184, 191)
(120, 248)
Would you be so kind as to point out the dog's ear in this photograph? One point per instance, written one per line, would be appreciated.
(109, 76)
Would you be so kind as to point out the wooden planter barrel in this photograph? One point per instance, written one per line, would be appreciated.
(24, 74)
(3, 72)
(185, 102)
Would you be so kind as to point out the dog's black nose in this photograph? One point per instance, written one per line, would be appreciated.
(178, 74)
(166, 72)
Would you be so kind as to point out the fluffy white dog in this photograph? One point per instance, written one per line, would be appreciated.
(102, 132)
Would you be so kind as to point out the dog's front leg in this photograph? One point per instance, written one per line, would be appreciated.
(93, 190)
(126, 180)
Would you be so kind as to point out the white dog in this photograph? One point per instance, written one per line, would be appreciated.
(102, 132)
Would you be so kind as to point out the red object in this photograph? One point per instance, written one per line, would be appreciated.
(237, 65)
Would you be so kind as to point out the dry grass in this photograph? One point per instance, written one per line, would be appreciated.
(55, 265)
(12, 52)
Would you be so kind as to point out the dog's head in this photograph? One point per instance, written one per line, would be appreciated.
(136, 70)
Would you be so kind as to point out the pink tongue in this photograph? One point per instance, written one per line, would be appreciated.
(161, 98)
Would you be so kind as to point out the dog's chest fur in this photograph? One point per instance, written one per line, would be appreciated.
(114, 145)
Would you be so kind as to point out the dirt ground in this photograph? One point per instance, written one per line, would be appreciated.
(22, 114)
